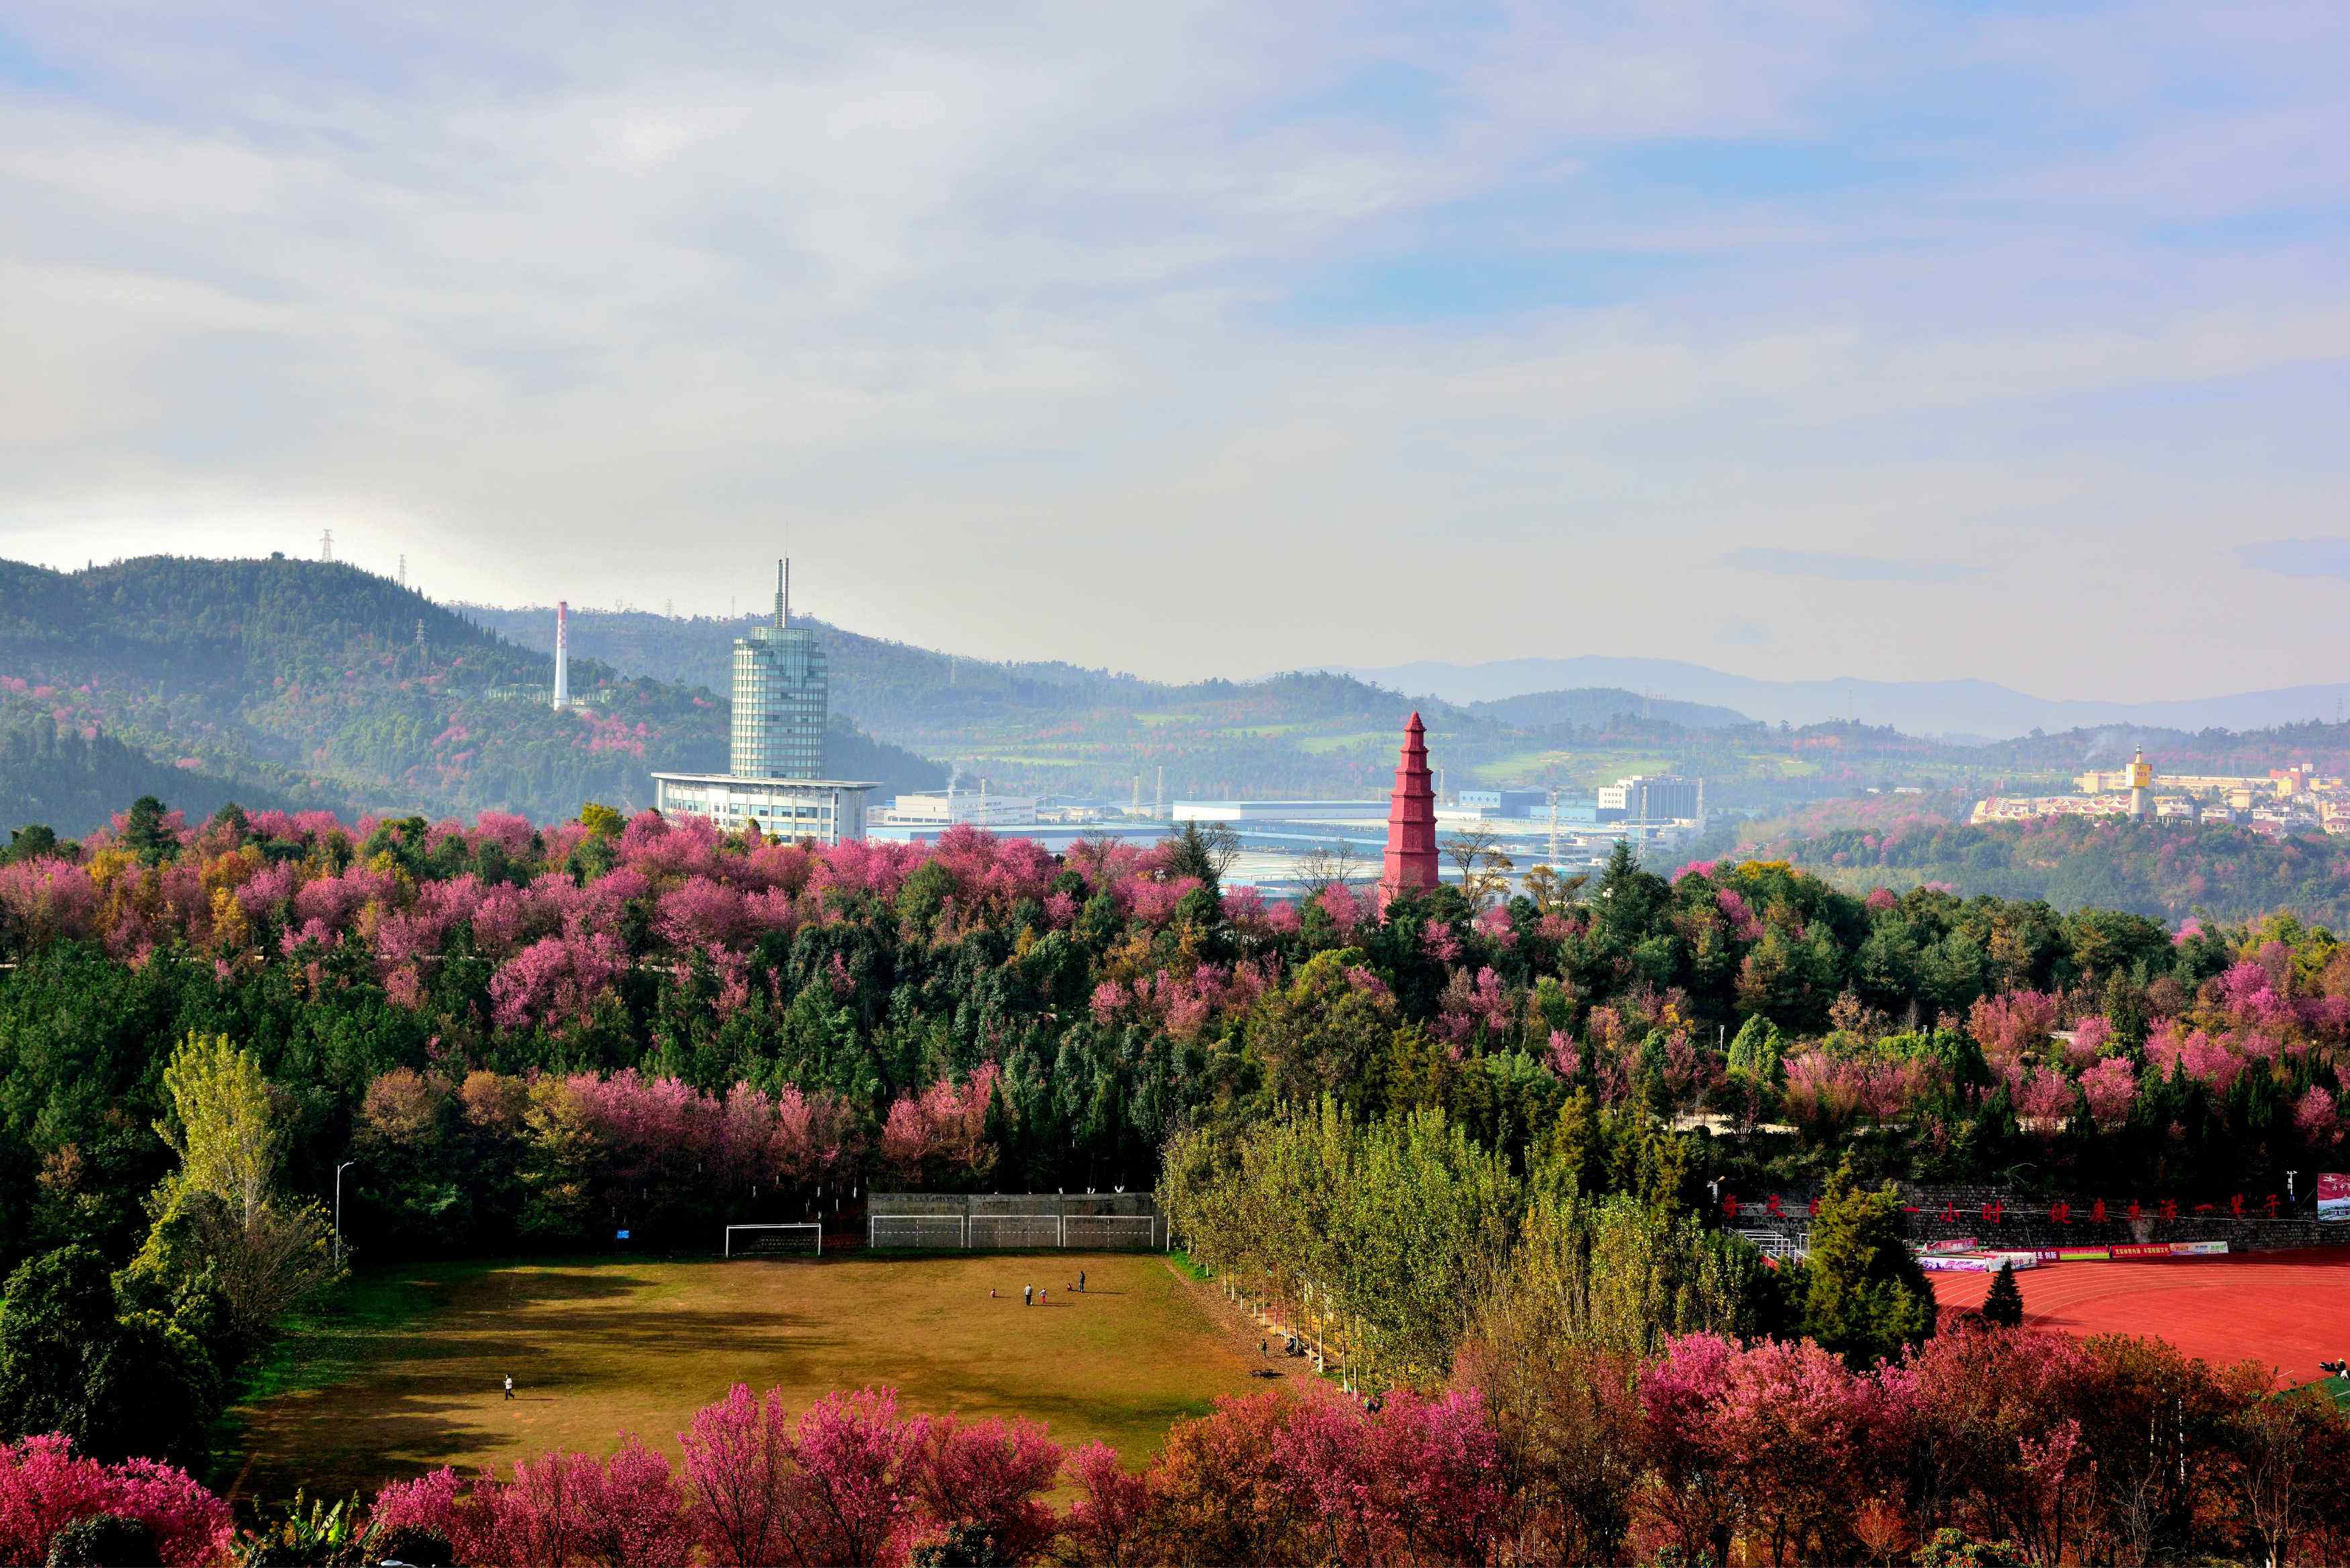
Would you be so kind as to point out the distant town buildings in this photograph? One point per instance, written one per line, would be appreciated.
(774, 779)
(2297, 799)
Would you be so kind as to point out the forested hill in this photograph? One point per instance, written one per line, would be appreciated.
(60, 779)
(1593, 705)
(287, 683)
(2169, 870)
(897, 688)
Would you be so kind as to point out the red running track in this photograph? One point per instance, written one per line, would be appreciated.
(2287, 1310)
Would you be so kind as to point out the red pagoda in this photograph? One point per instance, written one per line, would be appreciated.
(1411, 820)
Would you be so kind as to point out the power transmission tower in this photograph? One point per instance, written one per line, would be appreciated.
(403, 569)
(327, 545)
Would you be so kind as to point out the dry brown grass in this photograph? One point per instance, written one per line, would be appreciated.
(407, 1378)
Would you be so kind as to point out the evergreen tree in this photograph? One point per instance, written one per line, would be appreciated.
(147, 834)
(120, 1384)
(1754, 1052)
(1865, 1297)
(2004, 1307)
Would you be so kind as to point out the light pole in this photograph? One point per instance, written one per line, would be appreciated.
(339, 1210)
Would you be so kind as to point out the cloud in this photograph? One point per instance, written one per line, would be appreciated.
(991, 312)
(2298, 557)
(1843, 568)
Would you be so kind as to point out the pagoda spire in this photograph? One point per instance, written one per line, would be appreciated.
(1411, 820)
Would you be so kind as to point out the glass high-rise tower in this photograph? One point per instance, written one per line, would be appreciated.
(781, 696)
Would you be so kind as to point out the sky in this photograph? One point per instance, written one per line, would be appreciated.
(1907, 341)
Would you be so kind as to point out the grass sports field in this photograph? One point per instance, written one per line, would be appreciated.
(405, 1375)
(2287, 1310)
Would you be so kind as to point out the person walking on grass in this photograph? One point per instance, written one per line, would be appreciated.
(1027, 1295)
(509, 1388)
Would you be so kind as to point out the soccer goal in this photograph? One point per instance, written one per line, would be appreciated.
(1110, 1232)
(804, 1240)
(1008, 1232)
(1780, 1244)
(929, 1231)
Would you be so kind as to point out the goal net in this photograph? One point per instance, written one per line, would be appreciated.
(798, 1240)
(1110, 1232)
(1007, 1231)
(922, 1230)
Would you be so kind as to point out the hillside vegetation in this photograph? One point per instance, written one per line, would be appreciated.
(2168, 870)
(302, 683)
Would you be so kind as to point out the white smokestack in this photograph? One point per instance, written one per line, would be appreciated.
(562, 656)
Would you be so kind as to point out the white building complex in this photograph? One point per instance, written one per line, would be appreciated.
(775, 775)
(950, 808)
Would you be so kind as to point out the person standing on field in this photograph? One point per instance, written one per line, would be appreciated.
(509, 1386)
(1027, 1295)
(1081, 1280)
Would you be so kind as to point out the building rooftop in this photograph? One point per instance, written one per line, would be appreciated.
(770, 782)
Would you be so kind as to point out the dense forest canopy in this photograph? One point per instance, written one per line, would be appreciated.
(1470, 1141)
(981, 1011)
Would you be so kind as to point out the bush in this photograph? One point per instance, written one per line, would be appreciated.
(104, 1541)
(1956, 1549)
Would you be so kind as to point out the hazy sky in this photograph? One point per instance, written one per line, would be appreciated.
(1905, 340)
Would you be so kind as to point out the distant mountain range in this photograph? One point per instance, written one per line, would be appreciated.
(1976, 710)
(296, 682)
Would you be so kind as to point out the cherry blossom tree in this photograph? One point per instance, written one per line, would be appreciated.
(2013, 1024)
(1108, 1523)
(857, 1476)
(45, 1486)
(990, 1473)
(2111, 1089)
(739, 1459)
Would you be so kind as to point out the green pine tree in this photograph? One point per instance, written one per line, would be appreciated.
(1864, 1296)
(145, 833)
(2003, 1308)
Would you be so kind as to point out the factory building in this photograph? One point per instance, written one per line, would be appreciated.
(1504, 802)
(966, 808)
(1238, 811)
(1661, 797)
(775, 777)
